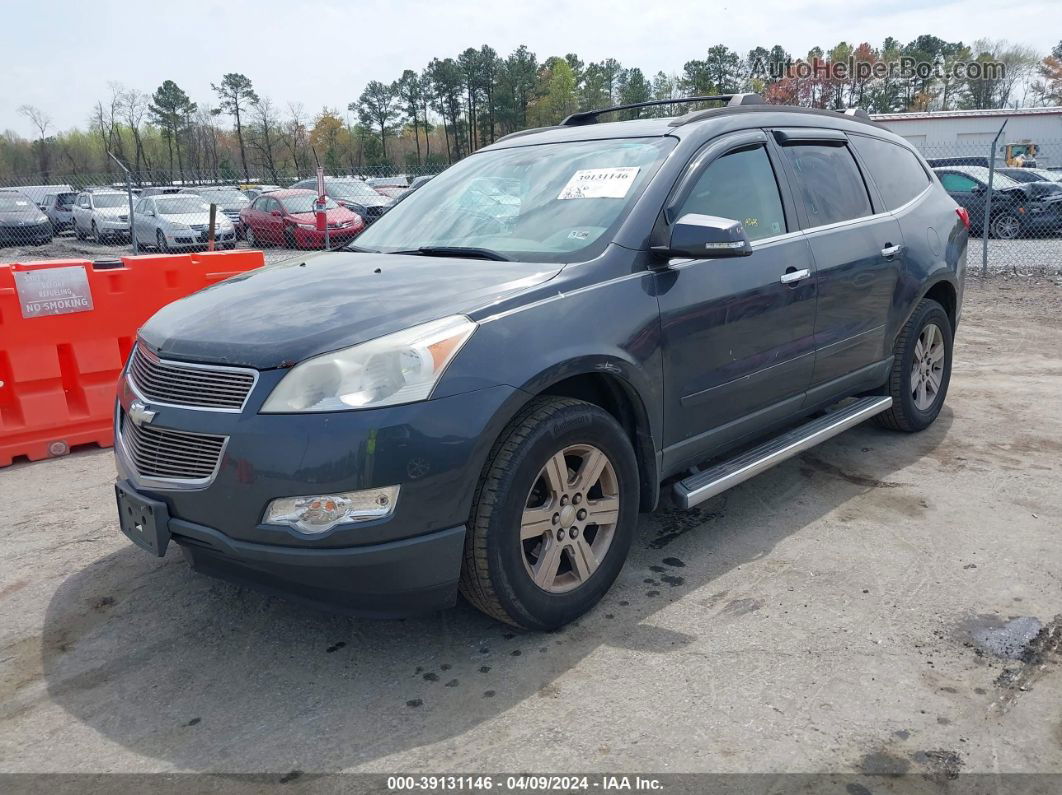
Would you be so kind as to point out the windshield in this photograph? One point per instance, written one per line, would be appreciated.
(305, 203)
(999, 181)
(548, 203)
(14, 202)
(178, 205)
(109, 200)
(65, 199)
(350, 190)
(224, 196)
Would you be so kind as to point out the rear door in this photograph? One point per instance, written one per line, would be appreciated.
(737, 332)
(857, 249)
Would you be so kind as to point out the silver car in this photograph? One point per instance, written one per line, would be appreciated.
(179, 221)
(101, 214)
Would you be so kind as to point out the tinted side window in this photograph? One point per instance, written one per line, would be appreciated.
(895, 170)
(957, 183)
(829, 182)
(741, 186)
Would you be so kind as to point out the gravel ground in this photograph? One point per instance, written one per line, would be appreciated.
(885, 603)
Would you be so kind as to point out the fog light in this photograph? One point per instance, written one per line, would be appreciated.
(317, 513)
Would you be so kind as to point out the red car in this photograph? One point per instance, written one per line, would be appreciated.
(286, 218)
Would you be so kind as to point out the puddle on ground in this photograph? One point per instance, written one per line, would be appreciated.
(1009, 640)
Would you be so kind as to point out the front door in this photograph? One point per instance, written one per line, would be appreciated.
(737, 332)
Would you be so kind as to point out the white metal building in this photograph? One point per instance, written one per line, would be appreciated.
(969, 132)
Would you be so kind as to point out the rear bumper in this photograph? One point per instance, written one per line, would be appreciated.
(398, 578)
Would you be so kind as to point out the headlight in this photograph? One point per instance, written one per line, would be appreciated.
(400, 368)
(320, 513)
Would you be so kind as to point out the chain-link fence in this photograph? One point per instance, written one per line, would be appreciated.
(97, 216)
(1012, 192)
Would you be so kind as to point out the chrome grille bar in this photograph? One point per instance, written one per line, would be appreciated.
(196, 386)
(171, 455)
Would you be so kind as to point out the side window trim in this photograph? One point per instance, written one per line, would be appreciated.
(720, 147)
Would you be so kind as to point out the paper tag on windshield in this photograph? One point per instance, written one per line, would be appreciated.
(599, 183)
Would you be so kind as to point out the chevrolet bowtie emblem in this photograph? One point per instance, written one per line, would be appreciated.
(139, 413)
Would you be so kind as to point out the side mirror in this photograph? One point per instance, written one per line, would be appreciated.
(978, 189)
(706, 237)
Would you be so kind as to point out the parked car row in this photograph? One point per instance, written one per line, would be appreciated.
(36, 213)
(1019, 207)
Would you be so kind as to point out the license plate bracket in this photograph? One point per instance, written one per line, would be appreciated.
(145, 522)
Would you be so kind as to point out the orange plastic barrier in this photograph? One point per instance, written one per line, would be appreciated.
(60, 361)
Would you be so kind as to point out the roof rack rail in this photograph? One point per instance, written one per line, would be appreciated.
(859, 113)
(590, 116)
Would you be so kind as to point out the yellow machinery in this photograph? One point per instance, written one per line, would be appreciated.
(1021, 155)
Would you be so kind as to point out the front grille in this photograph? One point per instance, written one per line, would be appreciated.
(194, 386)
(198, 227)
(171, 455)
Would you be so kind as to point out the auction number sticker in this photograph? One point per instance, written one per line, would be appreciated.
(600, 183)
(53, 291)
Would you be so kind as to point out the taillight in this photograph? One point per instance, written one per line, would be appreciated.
(964, 216)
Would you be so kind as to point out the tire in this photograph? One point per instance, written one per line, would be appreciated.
(500, 561)
(289, 238)
(77, 232)
(913, 409)
(1005, 226)
(160, 242)
(248, 235)
(96, 234)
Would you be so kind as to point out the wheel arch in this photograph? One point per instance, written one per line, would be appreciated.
(603, 382)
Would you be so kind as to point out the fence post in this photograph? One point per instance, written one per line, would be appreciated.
(128, 193)
(986, 228)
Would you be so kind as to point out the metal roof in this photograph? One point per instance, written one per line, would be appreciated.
(966, 114)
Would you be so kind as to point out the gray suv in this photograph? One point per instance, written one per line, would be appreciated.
(483, 392)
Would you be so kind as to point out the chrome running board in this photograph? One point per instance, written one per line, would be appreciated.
(717, 479)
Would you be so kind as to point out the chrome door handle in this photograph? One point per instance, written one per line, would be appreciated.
(890, 251)
(794, 276)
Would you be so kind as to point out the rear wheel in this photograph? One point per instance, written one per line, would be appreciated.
(553, 517)
(921, 369)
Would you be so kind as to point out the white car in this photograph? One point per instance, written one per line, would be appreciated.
(101, 215)
(179, 221)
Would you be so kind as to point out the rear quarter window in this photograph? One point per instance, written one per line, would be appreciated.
(895, 170)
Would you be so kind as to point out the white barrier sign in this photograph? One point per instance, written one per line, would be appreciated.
(53, 291)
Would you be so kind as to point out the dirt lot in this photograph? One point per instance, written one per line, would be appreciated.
(885, 603)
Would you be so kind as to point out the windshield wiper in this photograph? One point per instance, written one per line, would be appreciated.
(357, 249)
(456, 251)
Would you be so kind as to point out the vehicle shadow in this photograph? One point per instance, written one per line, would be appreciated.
(208, 676)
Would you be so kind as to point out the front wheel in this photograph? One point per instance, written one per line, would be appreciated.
(96, 237)
(1006, 226)
(553, 516)
(160, 242)
(248, 235)
(921, 369)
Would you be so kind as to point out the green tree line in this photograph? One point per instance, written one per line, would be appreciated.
(426, 119)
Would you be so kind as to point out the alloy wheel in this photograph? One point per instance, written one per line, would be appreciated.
(569, 519)
(1006, 227)
(927, 369)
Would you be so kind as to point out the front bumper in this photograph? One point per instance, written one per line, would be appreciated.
(398, 578)
(311, 238)
(407, 562)
(37, 233)
(193, 237)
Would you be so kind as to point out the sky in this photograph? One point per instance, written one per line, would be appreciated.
(61, 57)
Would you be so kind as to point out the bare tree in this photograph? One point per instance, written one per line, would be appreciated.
(295, 135)
(134, 108)
(42, 121)
(265, 134)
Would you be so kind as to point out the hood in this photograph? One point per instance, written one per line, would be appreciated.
(282, 314)
(189, 219)
(366, 201)
(29, 215)
(334, 216)
(123, 210)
